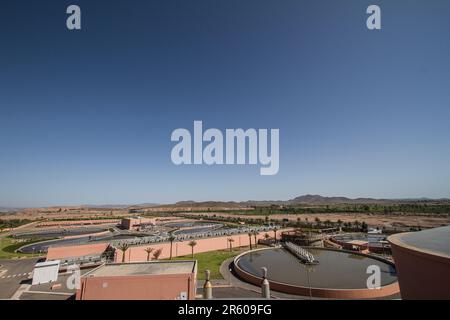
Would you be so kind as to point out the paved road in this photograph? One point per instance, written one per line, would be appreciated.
(17, 270)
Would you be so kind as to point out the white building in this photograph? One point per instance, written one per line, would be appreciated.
(45, 272)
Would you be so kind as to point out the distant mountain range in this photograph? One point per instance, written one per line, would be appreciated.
(317, 199)
(308, 199)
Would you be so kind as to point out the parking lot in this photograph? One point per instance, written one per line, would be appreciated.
(13, 273)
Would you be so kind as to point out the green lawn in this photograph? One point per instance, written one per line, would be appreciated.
(9, 245)
(211, 261)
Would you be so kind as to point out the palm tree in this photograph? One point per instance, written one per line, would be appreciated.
(192, 244)
(107, 255)
(364, 226)
(157, 253)
(231, 240)
(149, 250)
(255, 234)
(123, 247)
(171, 239)
(275, 229)
(250, 239)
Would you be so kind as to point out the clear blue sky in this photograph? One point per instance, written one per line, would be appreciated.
(86, 116)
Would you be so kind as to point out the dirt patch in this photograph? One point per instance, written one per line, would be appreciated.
(371, 219)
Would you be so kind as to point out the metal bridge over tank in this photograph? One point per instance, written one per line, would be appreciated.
(302, 254)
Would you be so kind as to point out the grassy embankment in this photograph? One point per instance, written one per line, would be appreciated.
(12, 223)
(211, 261)
(9, 245)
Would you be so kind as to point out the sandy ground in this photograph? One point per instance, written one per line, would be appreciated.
(380, 220)
(370, 219)
(37, 215)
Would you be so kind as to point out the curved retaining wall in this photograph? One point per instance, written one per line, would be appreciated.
(384, 291)
(95, 234)
(423, 274)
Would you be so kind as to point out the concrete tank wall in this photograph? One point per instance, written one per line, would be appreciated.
(388, 290)
(421, 275)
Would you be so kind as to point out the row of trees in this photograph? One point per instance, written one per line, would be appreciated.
(399, 208)
(157, 252)
(12, 223)
(317, 223)
(359, 226)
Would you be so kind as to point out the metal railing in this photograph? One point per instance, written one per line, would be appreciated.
(164, 236)
(301, 253)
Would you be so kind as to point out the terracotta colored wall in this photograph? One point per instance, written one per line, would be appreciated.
(388, 290)
(133, 223)
(374, 249)
(76, 223)
(421, 275)
(95, 234)
(381, 250)
(349, 246)
(55, 253)
(183, 249)
(149, 287)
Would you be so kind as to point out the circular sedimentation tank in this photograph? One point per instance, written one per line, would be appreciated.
(42, 246)
(339, 274)
(191, 227)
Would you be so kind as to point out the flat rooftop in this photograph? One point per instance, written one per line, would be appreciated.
(434, 241)
(47, 263)
(143, 268)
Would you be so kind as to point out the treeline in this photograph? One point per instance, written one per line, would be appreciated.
(105, 217)
(301, 223)
(355, 208)
(12, 223)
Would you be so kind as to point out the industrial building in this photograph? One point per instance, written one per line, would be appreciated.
(45, 272)
(154, 280)
(135, 223)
